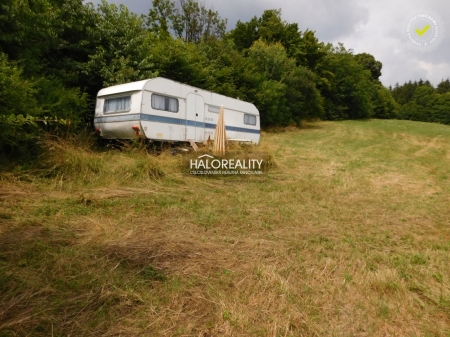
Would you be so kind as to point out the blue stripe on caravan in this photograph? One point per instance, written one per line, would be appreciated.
(162, 119)
(233, 128)
(169, 120)
(111, 119)
(238, 129)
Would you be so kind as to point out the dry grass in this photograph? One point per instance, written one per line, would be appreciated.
(348, 236)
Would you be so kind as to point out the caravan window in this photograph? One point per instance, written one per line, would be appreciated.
(249, 119)
(212, 108)
(164, 103)
(117, 104)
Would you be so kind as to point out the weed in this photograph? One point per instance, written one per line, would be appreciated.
(150, 273)
(383, 310)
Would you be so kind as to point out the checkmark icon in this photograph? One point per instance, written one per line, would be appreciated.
(423, 31)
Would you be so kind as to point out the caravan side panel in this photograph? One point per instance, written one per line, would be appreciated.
(118, 109)
(116, 114)
(163, 115)
(241, 118)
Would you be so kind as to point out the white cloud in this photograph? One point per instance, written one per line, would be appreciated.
(371, 26)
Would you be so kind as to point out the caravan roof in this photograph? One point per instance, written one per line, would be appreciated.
(127, 87)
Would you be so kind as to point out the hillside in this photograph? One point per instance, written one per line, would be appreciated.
(349, 235)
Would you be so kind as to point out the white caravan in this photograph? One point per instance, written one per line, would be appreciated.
(165, 110)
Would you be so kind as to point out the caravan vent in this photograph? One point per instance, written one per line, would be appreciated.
(212, 108)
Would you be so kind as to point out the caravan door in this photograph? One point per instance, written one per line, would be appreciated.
(195, 117)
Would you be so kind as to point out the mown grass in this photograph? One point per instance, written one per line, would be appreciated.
(347, 236)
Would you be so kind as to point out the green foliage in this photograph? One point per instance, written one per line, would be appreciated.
(285, 93)
(421, 102)
(427, 105)
(369, 63)
(441, 109)
(74, 26)
(404, 94)
(303, 98)
(17, 95)
(223, 68)
(179, 61)
(17, 99)
(269, 28)
(28, 106)
(245, 33)
(190, 21)
(26, 31)
(160, 17)
(311, 51)
(384, 105)
(270, 98)
(60, 102)
(443, 87)
(270, 60)
(345, 85)
(123, 52)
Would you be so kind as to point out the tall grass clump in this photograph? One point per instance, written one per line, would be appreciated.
(72, 157)
(139, 166)
(79, 159)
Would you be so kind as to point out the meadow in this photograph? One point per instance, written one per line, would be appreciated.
(347, 235)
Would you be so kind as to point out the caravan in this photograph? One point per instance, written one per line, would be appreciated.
(164, 110)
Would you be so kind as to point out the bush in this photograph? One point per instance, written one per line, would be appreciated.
(29, 106)
(17, 99)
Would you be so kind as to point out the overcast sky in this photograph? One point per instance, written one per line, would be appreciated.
(376, 27)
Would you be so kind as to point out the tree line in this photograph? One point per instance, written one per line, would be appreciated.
(55, 55)
(420, 101)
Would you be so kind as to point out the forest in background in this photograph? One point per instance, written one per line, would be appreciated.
(55, 55)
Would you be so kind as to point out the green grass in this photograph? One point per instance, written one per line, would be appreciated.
(348, 234)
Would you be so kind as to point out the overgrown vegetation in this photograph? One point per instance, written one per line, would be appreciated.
(348, 235)
(56, 55)
(420, 101)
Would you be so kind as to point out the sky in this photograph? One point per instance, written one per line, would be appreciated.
(376, 27)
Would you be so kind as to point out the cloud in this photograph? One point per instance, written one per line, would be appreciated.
(376, 27)
(331, 19)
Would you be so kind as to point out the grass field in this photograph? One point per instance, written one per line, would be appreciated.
(349, 235)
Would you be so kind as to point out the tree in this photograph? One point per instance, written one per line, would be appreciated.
(270, 65)
(440, 109)
(384, 105)
(190, 20)
(224, 68)
(269, 28)
(310, 51)
(369, 63)
(123, 48)
(160, 17)
(286, 93)
(345, 85)
(404, 93)
(245, 34)
(26, 31)
(25, 101)
(443, 87)
(303, 98)
(421, 105)
(180, 62)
